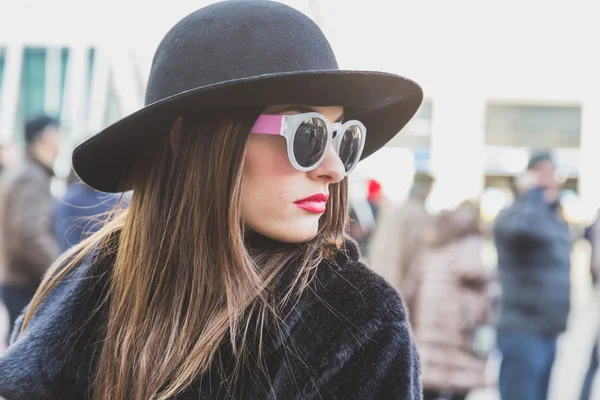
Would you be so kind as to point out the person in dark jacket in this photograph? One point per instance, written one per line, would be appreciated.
(27, 242)
(81, 212)
(592, 235)
(534, 248)
(229, 275)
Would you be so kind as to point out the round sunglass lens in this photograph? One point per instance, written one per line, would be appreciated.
(310, 141)
(350, 146)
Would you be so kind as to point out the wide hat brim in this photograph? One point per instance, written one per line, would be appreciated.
(383, 102)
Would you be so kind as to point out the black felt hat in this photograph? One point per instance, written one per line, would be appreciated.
(244, 53)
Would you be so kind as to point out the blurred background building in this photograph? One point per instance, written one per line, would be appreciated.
(519, 76)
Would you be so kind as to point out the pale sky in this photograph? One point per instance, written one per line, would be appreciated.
(409, 37)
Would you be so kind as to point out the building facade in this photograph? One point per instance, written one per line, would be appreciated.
(501, 78)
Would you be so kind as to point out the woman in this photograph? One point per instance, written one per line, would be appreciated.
(452, 308)
(229, 276)
(398, 238)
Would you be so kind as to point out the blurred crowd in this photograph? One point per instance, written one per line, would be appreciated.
(461, 309)
(35, 226)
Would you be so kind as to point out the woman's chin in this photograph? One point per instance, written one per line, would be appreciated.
(296, 233)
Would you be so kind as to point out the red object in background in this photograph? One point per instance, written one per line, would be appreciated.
(374, 190)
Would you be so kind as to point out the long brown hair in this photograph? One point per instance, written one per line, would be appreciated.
(184, 276)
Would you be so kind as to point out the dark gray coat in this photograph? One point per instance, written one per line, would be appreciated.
(350, 332)
(534, 249)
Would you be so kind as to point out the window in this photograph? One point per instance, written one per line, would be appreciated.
(32, 90)
(33, 79)
(91, 59)
(417, 133)
(64, 61)
(2, 58)
(533, 125)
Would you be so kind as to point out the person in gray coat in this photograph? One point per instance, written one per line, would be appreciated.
(534, 246)
(27, 242)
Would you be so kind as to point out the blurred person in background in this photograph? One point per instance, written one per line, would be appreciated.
(534, 247)
(375, 197)
(359, 226)
(2, 158)
(363, 215)
(230, 275)
(4, 328)
(592, 235)
(398, 236)
(27, 242)
(81, 212)
(452, 305)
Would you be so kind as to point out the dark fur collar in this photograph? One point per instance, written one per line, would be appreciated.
(54, 357)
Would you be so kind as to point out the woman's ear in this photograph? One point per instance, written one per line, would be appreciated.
(175, 132)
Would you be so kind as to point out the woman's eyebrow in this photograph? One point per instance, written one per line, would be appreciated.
(304, 109)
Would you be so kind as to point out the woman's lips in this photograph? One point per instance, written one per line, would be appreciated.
(315, 204)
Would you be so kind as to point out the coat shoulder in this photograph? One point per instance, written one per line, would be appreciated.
(360, 296)
(23, 175)
(357, 338)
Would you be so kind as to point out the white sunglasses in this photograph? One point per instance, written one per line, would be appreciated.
(309, 135)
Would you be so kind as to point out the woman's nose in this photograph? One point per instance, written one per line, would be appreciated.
(331, 169)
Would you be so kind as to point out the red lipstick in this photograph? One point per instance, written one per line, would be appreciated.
(314, 204)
